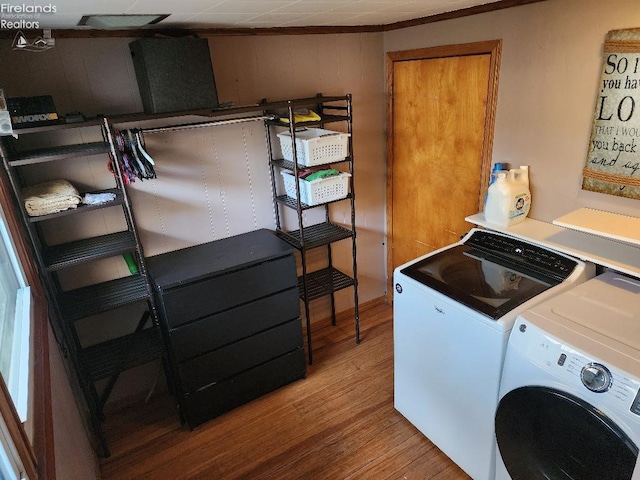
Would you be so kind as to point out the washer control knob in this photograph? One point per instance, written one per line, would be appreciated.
(596, 377)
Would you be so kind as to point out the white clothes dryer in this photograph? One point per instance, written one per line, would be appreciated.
(570, 391)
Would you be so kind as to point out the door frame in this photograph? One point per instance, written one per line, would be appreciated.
(490, 47)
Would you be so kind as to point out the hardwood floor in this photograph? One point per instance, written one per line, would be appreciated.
(338, 423)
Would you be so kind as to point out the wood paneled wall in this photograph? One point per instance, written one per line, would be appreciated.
(212, 182)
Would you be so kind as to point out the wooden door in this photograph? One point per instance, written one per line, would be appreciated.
(441, 115)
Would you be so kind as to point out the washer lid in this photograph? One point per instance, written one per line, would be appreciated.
(608, 304)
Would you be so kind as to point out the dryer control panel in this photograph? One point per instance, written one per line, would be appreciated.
(635, 406)
(588, 377)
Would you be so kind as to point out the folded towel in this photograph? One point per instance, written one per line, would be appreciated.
(98, 198)
(50, 197)
(302, 116)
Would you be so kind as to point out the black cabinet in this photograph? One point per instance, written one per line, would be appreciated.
(230, 315)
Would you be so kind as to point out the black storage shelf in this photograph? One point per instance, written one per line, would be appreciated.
(108, 359)
(58, 153)
(288, 164)
(88, 249)
(113, 356)
(81, 208)
(134, 117)
(102, 297)
(92, 122)
(315, 235)
(323, 282)
(290, 202)
(317, 123)
(313, 285)
(302, 102)
(208, 113)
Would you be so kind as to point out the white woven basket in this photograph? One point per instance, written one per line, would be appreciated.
(315, 146)
(321, 190)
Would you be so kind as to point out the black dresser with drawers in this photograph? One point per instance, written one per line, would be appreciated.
(230, 316)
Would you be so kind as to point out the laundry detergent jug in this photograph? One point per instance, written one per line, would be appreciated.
(508, 198)
(497, 167)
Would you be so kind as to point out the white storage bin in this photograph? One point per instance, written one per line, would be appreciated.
(321, 190)
(315, 146)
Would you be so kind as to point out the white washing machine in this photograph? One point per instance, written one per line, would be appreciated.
(570, 393)
(453, 311)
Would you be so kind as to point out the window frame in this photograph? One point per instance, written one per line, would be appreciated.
(17, 377)
(37, 456)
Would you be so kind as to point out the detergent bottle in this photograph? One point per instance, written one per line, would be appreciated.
(508, 198)
(524, 174)
(522, 177)
(497, 167)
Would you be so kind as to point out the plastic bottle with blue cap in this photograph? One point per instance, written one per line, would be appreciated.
(497, 167)
(508, 198)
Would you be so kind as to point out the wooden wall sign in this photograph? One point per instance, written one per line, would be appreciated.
(613, 161)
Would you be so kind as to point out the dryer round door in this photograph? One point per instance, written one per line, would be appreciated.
(543, 433)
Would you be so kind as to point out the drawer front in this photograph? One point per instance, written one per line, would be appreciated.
(206, 297)
(233, 359)
(213, 332)
(217, 399)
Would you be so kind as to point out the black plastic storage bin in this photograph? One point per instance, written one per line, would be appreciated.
(174, 74)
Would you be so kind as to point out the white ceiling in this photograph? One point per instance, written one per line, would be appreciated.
(198, 14)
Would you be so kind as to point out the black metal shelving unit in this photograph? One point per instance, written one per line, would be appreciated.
(105, 360)
(65, 152)
(325, 281)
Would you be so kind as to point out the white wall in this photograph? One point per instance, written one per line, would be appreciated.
(551, 64)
